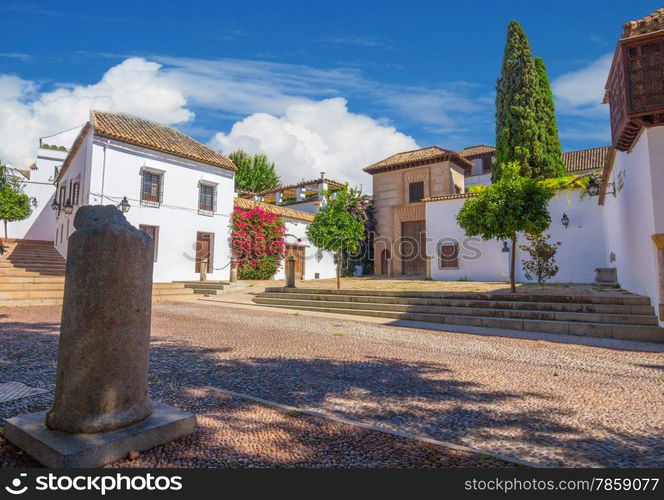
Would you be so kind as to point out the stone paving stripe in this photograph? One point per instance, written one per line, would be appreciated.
(376, 428)
(10, 391)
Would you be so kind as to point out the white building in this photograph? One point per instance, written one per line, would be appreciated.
(178, 190)
(310, 261)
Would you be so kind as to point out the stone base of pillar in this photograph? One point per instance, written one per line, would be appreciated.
(57, 449)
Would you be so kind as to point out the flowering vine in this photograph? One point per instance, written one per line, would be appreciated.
(257, 242)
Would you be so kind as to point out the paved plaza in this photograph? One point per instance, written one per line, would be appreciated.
(554, 403)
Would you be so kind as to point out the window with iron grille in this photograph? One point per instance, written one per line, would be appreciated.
(75, 193)
(152, 189)
(207, 198)
(415, 191)
(63, 198)
(448, 256)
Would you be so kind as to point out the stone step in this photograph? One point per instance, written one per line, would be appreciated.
(618, 297)
(490, 304)
(627, 319)
(30, 294)
(30, 302)
(626, 332)
(32, 286)
(11, 279)
(174, 298)
(171, 291)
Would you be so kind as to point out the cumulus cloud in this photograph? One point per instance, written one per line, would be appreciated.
(316, 136)
(136, 86)
(581, 91)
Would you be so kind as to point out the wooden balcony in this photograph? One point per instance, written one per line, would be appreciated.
(635, 88)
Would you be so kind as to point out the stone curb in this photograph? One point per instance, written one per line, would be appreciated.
(376, 428)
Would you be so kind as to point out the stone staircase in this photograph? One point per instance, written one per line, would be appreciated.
(616, 314)
(207, 288)
(32, 274)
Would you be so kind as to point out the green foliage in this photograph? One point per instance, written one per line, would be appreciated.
(526, 130)
(361, 206)
(14, 205)
(476, 188)
(335, 228)
(542, 263)
(255, 173)
(552, 160)
(338, 227)
(569, 182)
(512, 204)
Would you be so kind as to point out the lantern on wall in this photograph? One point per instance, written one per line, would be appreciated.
(564, 220)
(69, 208)
(124, 205)
(55, 205)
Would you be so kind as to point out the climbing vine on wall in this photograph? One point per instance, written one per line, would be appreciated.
(257, 240)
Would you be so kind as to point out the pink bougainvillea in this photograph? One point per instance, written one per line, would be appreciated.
(257, 240)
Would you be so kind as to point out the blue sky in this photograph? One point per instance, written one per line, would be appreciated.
(331, 85)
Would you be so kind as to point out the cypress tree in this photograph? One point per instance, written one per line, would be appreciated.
(553, 165)
(518, 138)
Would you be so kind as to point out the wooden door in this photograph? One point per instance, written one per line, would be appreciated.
(204, 250)
(384, 261)
(413, 248)
(297, 252)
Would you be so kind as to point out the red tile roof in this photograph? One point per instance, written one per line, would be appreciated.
(585, 159)
(152, 135)
(417, 157)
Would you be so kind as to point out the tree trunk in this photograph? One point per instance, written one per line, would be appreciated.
(5, 221)
(513, 264)
(338, 270)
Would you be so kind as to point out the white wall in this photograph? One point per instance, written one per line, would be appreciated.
(114, 171)
(478, 180)
(582, 249)
(636, 213)
(41, 222)
(314, 262)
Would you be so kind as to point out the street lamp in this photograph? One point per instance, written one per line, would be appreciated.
(593, 187)
(124, 205)
(69, 208)
(564, 220)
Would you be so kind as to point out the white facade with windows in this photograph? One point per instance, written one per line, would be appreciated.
(184, 204)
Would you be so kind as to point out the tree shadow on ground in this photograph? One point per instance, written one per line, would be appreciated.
(421, 398)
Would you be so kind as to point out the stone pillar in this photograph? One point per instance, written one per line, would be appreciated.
(290, 272)
(203, 269)
(659, 242)
(102, 408)
(300, 194)
(102, 372)
(279, 198)
(233, 270)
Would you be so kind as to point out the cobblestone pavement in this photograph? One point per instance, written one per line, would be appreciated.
(556, 404)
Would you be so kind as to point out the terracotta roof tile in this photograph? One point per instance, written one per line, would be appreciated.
(275, 209)
(472, 152)
(450, 197)
(416, 157)
(155, 136)
(649, 24)
(585, 159)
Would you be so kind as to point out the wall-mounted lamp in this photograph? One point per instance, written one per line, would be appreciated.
(593, 188)
(564, 220)
(55, 205)
(124, 205)
(69, 208)
(505, 249)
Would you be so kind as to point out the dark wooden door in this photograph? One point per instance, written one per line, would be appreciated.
(298, 253)
(413, 248)
(384, 261)
(204, 250)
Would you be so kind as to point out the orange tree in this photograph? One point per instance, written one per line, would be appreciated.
(257, 242)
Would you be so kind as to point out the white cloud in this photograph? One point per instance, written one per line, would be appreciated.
(317, 136)
(580, 92)
(134, 86)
